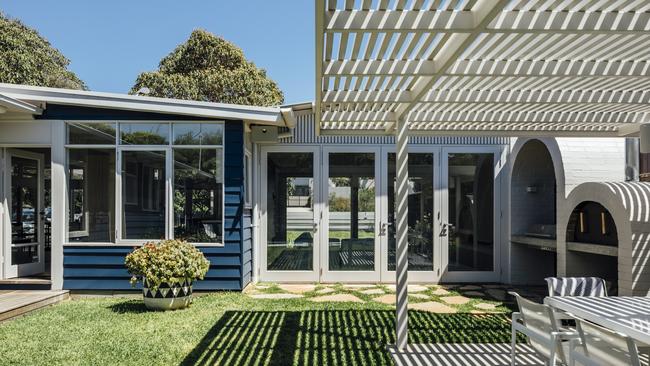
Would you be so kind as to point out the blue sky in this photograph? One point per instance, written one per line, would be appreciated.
(110, 42)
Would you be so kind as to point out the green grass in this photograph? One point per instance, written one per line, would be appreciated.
(228, 329)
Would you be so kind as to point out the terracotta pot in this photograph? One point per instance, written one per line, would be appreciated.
(167, 296)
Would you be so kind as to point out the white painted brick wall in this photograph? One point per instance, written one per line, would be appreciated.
(592, 160)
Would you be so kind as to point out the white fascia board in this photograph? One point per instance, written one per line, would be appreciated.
(259, 115)
(17, 105)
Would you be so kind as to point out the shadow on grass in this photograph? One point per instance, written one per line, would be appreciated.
(129, 307)
(336, 337)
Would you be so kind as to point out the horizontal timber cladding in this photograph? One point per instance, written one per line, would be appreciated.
(102, 267)
(304, 133)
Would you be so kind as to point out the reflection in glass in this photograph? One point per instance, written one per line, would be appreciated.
(91, 216)
(351, 211)
(144, 133)
(290, 212)
(198, 134)
(420, 212)
(24, 208)
(471, 213)
(91, 133)
(143, 194)
(198, 187)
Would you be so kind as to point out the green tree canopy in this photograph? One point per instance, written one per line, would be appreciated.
(28, 58)
(209, 68)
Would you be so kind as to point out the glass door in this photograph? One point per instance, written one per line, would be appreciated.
(24, 186)
(423, 215)
(290, 214)
(351, 217)
(470, 207)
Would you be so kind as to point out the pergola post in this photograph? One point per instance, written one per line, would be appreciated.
(401, 137)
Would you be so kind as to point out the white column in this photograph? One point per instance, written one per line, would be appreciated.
(59, 193)
(402, 233)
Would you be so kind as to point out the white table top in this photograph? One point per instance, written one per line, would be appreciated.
(626, 315)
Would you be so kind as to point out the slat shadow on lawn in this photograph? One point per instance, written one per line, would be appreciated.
(332, 337)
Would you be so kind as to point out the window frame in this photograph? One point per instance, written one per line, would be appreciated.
(248, 179)
(169, 178)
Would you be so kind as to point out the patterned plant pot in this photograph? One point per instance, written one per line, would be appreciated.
(167, 296)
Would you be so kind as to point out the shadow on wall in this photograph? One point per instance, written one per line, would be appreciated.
(333, 336)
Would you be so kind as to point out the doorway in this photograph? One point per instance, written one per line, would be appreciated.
(26, 221)
(328, 214)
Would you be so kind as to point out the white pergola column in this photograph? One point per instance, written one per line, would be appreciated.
(401, 138)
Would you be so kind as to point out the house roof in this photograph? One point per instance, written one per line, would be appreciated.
(25, 97)
(462, 67)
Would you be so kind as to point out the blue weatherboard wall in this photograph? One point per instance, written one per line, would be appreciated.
(102, 267)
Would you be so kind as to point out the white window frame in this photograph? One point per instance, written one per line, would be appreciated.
(169, 178)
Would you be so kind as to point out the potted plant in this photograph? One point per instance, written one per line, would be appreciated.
(167, 270)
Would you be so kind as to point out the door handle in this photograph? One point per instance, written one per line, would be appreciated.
(315, 226)
(384, 228)
(443, 229)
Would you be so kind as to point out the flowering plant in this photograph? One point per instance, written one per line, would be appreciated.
(169, 261)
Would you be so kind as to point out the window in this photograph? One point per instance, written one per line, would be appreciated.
(173, 189)
(91, 205)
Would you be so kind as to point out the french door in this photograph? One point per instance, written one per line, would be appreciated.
(328, 214)
(24, 237)
(291, 214)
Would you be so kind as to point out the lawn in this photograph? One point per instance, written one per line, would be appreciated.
(228, 329)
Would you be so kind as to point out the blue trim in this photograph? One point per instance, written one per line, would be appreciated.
(70, 113)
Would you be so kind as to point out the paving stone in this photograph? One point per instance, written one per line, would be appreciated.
(275, 296)
(389, 299)
(336, 298)
(470, 288)
(497, 294)
(392, 288)
(473, 293)
(455, 300)
(432, 307)
(298, 288)
(325, 290)
(356, 286)
(262, 287)
(485, 306)
(373, 291)
(419, 296)
(440, 292)
(416, 288)
(493, 286)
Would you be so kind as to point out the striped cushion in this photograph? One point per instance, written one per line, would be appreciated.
(576, 286)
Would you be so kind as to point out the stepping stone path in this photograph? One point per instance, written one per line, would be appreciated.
(416, 288)
(275, 296)
(432, 307)
(298, 289)
(485, 306)
(497, 294)
(336, 298)
(419, 296)
(470, 288)
(358, 286)
(474, 294)
(440, 292)
(373, 291)
(455, 300)
(386, 299)
(326, 290)
(262, 287)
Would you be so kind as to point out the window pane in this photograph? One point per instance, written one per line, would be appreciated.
(198, 195)
(351, 212)
(91, 195)
(144, 133)
(198, 134)
(143, 194)
(91, 133)
(24, 200)
(471, 212)
(420, 215)
(290, 212)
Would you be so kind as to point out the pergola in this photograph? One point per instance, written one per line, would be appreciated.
(479, 67)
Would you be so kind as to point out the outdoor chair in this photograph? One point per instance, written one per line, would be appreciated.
(599, 346)
(537, 322)
(576, 286)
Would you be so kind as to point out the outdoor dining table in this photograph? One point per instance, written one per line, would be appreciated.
(624, 314)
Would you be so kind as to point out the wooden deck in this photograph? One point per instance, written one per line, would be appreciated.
(18, 302)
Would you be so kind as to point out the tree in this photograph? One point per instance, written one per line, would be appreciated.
(28, 58)
(209, 68)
